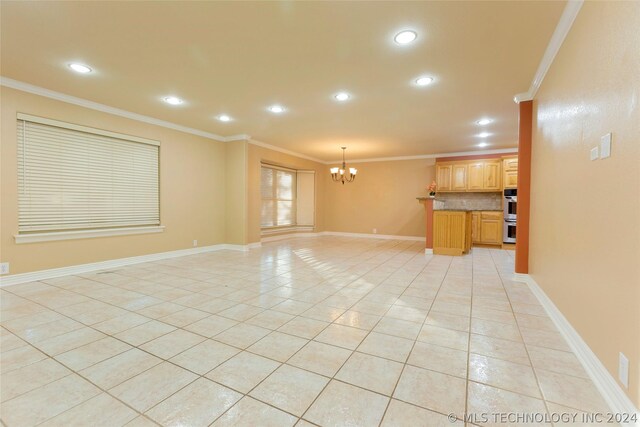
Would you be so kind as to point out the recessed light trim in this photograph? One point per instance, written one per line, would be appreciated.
(277, 109)
(80, 68)
(424, 81)
(342, 96)
(483, 134)
(224, 118)
(405, 37)
(484, 122)
(173, 100)
(483, 144)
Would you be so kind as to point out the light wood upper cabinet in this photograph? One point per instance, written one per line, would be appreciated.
(459, 177)
(476, 176)
(510, 172)
(510, 163)
(469, 175)
(443, 177)
(492, 178)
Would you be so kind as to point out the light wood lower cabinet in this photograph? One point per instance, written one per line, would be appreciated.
(487, 227)
(451, 232)
(475, 227)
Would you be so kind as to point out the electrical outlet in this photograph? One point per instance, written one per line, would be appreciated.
(623, 370)
(375, 231)
(4, 268)
(594, 153)
(195, 243)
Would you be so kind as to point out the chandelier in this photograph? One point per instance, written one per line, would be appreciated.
(340, 174)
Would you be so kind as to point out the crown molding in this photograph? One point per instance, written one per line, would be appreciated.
(240, 137)
(47, 93)
(285, 151)
(562, 29)
(428, 156)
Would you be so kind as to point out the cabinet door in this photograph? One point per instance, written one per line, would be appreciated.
(510, 164)
(475, 227)
(443, 177)
(490, 231)
(511, 179)
(441, 224)
(459, 178)
(492, 178)
(476, 176)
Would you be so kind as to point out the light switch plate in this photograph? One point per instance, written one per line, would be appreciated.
(4, 268)
(605, 146)
(623, 370)
(594, 153)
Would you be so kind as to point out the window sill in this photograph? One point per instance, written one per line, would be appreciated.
(281, 230)
(85, 234)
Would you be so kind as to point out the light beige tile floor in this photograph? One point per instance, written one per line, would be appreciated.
(320, 331)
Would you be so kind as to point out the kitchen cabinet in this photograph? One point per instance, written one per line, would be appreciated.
(486, 227)
(469, 175)
(510, 172)
(476, 176)
(475, 227)
(443, 177)
(492, 178)
(451, 232)
(459, 177)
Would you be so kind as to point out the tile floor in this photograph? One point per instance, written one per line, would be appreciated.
(318, 331)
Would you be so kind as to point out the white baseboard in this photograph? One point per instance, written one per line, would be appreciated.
(16, 279)
(288, 236)
(428, 251)
(374, 236)
(608, 387)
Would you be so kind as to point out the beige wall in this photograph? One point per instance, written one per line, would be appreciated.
(258, 154)
(585, 218)
(192, 177)
(236, 192)
(383, 196)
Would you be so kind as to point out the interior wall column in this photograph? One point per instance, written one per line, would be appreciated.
(525, 128)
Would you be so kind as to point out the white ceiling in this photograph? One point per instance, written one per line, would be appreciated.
(240, 57)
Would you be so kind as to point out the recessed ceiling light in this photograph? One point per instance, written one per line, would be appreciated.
(224, 118)
(482, 144)
(277, 109)
(80, 68)
(406, 36)
(424, 81)
(342, 96)
(483, 134)
(484, 122)
(173, 100)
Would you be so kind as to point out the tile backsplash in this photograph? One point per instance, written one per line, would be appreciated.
(469, 201)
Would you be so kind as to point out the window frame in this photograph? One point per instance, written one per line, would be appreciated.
(25, 236)
(275, 198)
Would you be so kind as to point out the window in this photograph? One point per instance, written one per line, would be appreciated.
(73, 178)
(288, 199)
(278, 187)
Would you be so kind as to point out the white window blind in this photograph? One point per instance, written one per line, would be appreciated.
(278, 188)
(72, 177)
